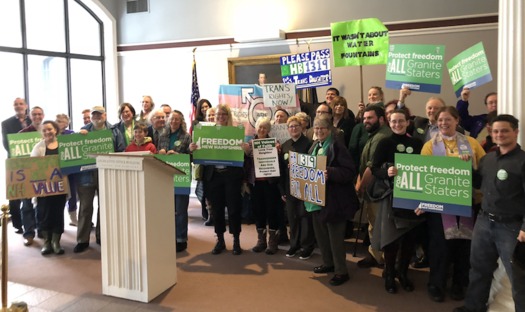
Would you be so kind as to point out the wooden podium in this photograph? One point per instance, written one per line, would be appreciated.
(137, 225)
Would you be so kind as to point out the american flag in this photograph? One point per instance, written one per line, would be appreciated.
(195, 94)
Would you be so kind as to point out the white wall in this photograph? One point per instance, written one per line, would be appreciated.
(166, 74)
(169, 20)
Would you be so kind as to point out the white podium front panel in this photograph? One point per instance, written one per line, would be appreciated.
(137, 230)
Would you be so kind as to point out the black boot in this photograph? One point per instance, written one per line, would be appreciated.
(390, 280)
(220, 246)
(406, 284)
(261, 241)
(55, 243)
(237, 250)
(273, 242)
(47, 248)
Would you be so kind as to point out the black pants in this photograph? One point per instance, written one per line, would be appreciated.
(224, 191)
(443, 252)
(52, 213)
(266, 202)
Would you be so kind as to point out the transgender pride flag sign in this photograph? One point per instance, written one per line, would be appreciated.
(247, 105)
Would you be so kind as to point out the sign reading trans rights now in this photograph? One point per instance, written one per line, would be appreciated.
(434, 184)
(218, 145)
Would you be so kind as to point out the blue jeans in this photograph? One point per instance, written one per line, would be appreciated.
(181, 217)
(490, 241)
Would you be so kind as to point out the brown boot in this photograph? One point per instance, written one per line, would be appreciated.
(273, 242)
(261, 241)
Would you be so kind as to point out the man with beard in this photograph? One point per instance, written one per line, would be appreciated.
(87, 183)
(377, 128)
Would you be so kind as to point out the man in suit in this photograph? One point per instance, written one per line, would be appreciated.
(13, 125)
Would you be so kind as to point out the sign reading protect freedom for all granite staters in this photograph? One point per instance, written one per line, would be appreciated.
(218, 145)
(433, 183)
(21, 144)
(416, 66)
(469, 69)
(74, 149)
(181, 183)
(309, 69)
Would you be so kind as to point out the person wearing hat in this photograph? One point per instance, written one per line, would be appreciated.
(88, 181)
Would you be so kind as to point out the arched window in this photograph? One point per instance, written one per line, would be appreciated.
(53, 53)
(57, 54)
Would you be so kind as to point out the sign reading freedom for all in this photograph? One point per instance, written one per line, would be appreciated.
(21, 144)
(75, 148)
(307, 180)
(310, 69)
(34, 177)
(359, 42)
(218, 145)
(433, 183)
(247, 105)
(265, 158)
(181, 183)
(469, 69)
(279, 95)
(418, 67)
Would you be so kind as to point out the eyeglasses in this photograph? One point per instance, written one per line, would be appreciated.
(160, 117)
(322, 112)
(221, 114)
(293, 126)
(320, 128)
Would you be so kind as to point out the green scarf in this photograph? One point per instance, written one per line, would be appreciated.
(320, 149)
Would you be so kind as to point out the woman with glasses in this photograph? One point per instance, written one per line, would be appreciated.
(302, 238)
(394, 227)
(340, 201)
(223, 189)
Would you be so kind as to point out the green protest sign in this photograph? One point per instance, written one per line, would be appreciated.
(307, 181)
(74, 149)
(21, 144)
(418, 67)
(433, 183)
(218, 145)
(469, 69)
(34, 177)
(181, 183)
(359, 42)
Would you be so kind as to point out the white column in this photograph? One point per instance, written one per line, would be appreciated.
(511, 52)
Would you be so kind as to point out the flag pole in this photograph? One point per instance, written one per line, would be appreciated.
(361, 81)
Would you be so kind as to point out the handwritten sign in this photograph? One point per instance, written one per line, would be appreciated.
(34, 177)
(433, 183)
(418, 67)
(469, 69)
(305, 70)
(359, 42)
(279, 95)
(265, 158)
(280, 133)
(21, 144)
(307, 181)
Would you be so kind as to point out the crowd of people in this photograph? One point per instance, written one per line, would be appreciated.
(360, 150)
